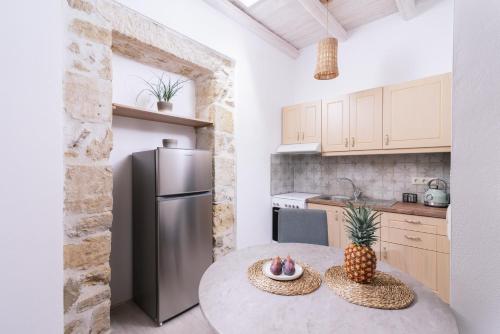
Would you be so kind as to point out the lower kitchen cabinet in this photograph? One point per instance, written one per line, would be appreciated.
(443, 276)
(418, 246)
(413, 244)
(419, 263)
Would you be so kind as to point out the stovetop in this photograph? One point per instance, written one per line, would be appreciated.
(292, 200)
(296, 196)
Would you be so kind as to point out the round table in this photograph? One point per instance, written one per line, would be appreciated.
(231, 304)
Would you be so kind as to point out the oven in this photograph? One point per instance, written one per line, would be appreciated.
(275, 223)
(290, 200)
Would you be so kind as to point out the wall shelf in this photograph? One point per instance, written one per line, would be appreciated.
(148, 115)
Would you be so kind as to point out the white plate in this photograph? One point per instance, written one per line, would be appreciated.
(266, 269)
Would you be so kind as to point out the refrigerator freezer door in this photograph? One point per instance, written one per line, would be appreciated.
(183, 171)
(184, 251)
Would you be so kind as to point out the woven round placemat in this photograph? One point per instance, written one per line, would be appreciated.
(384, 292)
(307, 283)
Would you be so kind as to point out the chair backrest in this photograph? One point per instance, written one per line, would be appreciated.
(303, 226)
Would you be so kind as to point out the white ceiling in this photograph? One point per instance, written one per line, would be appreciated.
(294, 24)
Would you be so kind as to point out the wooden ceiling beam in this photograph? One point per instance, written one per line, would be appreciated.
(238, 15)
(318, 12)
(407, 8)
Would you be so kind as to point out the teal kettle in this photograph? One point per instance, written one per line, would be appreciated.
(434, 196)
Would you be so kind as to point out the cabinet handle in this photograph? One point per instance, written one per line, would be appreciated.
(298, 136)
(346, 142)
(352, 144)
(416, 222)
(409, 237)
(387, 139)
(384, 253)
(302, 135)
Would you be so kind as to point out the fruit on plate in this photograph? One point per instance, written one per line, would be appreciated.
(276, 266)
(360, 260)
(289, 266)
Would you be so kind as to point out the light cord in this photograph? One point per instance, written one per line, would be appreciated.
(326, 7)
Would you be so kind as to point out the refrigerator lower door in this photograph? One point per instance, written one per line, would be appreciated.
(184, 251)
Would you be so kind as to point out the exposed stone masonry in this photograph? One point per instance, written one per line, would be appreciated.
(96, 29)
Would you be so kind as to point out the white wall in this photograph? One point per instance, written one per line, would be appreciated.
(131, 135)
(31, 168)
(476, 167)
(128, 86)
(261, 83)
(386, 51)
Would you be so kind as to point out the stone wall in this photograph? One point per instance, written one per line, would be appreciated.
(88, 184)
(95, 29)
(378, 176)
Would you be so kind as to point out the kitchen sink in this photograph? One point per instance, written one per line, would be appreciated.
(340, 198)
(370, 202)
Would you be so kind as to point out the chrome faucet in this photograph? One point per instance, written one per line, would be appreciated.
(356, 192)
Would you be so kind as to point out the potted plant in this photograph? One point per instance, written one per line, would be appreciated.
(360, 260)
(163, 91)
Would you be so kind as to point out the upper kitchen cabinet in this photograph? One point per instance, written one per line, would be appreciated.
(417, 114)
(353, 123)
(310, 122)
(291, 124)
(413, 117)
(335, 124)
(302, 123)
(365, 119)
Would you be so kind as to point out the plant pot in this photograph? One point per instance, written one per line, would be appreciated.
(164, 106)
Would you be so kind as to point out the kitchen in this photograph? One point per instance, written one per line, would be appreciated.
(353, 148)
(378, 147)
(250, 166)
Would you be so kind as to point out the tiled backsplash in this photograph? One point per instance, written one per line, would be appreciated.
(378, 176)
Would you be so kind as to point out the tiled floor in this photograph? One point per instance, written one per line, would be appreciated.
(129, 319)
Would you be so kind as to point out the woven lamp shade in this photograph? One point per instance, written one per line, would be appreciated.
(326, 66)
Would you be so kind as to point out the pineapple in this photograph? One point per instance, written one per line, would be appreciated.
(360, 260)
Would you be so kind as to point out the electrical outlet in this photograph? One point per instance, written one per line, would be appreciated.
(418, 180)
(426, 180)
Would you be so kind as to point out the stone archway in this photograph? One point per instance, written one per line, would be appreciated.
(96, 29)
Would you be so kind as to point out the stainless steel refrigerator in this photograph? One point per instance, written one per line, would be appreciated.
(172, 228)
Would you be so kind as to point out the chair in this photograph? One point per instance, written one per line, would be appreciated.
(303, 226)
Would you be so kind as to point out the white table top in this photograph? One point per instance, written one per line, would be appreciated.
(232, 304)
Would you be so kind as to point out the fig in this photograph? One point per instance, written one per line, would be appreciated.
(276, 266)
(289, 266)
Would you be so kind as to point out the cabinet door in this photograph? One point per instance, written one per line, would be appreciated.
(333, 228)
(421, 264)
(310, 122)
(366, 120)
(291, 124)
(335, 125)
(344, 237)
(418, 113)
(332, 214)
(443, 276)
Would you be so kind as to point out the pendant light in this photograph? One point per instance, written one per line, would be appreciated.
(326, 61)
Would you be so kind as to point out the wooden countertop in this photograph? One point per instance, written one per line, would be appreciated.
(416, 209)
